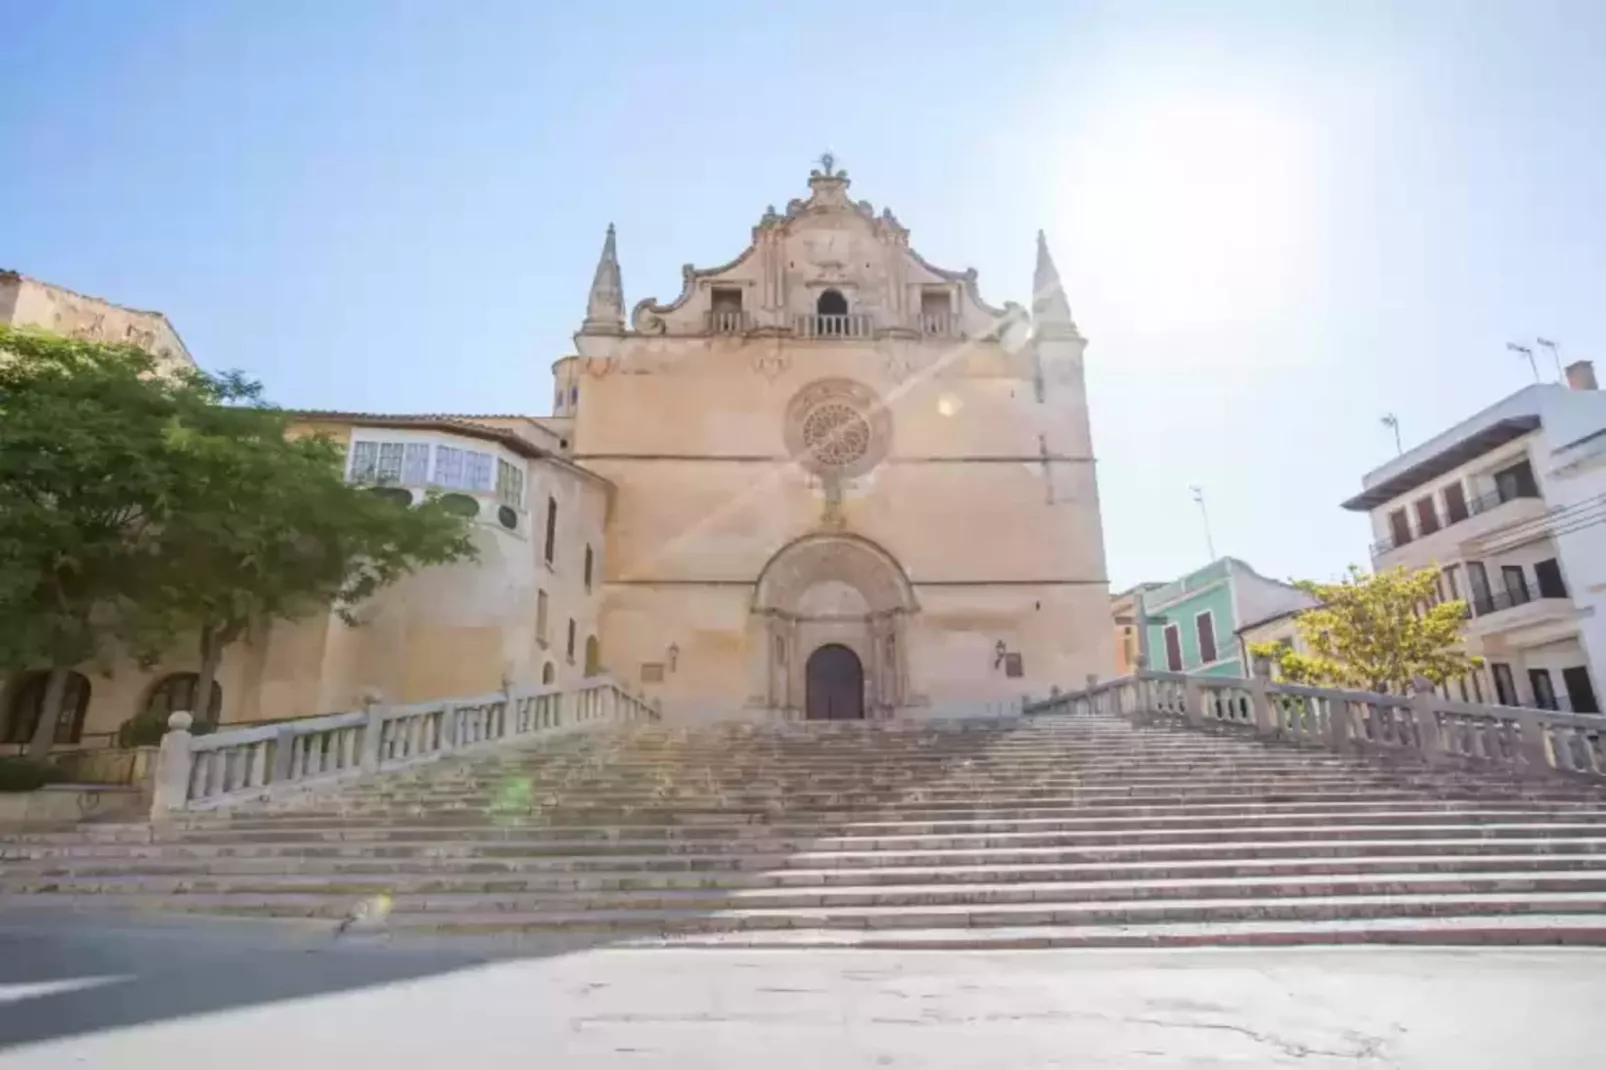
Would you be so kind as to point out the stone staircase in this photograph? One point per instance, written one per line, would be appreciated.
(1060, 830)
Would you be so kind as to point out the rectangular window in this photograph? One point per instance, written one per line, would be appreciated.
(477, 471)
(1505, 686)
(1544, 690)
(509, 484)
(652, 672)
(390, 463)
(448, 466)
(588, 569)
(551, 529)
(1399, 527)
(1205, 625)
(1452, 581)
(1516, 482)
(1173, 648)
(540, 616)
(1548, 576)
(569, 649)
(725, 299)
(1516, 584)
(364, 462)
(1580, 692)
(415, 464)
(1478, 587)
(1455, 504)
(462, 469)
(1427, 516)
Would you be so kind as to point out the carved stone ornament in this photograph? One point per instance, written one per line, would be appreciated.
(837, 428)
(771, 360)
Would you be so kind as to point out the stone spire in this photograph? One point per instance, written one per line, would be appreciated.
(605, 306)
(1050, 309)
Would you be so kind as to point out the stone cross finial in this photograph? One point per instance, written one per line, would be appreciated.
(828, 167)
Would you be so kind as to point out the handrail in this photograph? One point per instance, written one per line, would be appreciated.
(235, 765)
(1524, 741)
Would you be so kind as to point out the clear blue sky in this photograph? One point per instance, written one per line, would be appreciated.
(1277, 221)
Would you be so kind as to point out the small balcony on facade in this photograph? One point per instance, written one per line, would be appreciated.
(829, 325)
(940, 325)
(729, 321)
(1450, 510)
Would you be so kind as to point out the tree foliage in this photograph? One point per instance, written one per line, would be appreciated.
(272, 531)
(136, 508)
(87, 483)
(1376, 632)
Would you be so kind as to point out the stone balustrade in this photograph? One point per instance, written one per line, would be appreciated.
(940, 325)
(848, 325)
(241, 764)
(1518, 741)
(727, 321)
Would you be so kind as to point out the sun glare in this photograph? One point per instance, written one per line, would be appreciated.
(1188, 208)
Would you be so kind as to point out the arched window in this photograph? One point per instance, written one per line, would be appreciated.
(549, 673)
(176, 692)
(28, 701)
(574, 395)
(593, 656)
(831, 303)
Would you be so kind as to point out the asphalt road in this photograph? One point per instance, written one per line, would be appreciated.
(83, 993)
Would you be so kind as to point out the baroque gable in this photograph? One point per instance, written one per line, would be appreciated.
(828, 266)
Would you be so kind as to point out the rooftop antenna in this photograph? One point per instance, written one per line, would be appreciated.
(1198, 496)
(1555, 352)
(1525, 351)
(1392, 422)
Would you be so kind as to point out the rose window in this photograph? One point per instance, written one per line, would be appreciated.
(836, 434)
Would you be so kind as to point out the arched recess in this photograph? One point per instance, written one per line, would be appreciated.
(593, 656)
(549, 673)
(27, 701)
(827, 589)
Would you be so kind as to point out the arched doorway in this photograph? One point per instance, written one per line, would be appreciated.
(831, 303)
(831, 591)
(834, 685)
(28, 702)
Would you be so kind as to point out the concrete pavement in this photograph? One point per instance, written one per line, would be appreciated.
(145, 995)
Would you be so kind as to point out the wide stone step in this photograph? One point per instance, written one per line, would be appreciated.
(460, 917)
(721, 825)
(452, 874)
(1568, 930)
(429, 893)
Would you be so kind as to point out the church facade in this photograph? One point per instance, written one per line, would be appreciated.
(827, 480)
(844, 484)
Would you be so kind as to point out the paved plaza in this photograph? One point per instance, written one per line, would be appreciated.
(77, 993)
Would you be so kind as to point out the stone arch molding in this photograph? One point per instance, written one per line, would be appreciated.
(831, 588)
(812, 560)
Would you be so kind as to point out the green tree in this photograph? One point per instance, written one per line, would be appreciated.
(269, 530)
(88, 482)
(1376, 632)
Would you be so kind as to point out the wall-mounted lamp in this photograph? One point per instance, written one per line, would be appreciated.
(999, 652)
(672, 655)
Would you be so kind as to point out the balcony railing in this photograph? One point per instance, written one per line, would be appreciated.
(1475, 507)
(940, 325)
(847, 325)
(725, 321)
(1493, 603)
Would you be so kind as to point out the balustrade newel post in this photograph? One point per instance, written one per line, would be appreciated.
(373, 728)
(174, 762)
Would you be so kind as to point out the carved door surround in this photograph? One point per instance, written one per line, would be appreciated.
(832, 589)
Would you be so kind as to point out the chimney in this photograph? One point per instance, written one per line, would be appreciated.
(1581, 375)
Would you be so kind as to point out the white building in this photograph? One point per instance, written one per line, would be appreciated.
(1510, 505)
